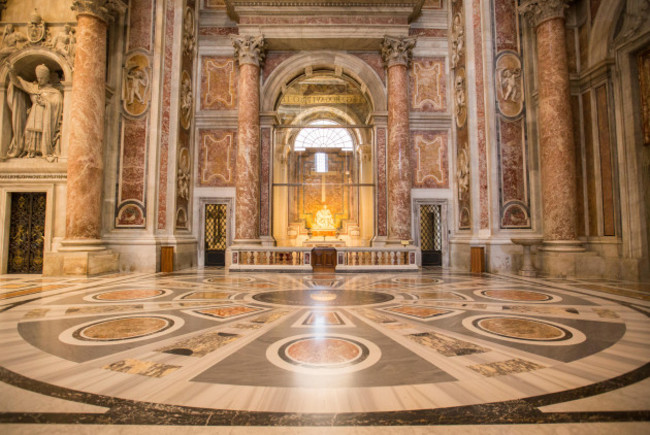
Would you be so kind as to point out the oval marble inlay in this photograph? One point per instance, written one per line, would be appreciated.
(323, 351)
(129, 295)
(323, 297)
(516, 295)
(522, 329)
(122, 329)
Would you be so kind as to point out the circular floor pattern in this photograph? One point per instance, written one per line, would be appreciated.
(416, 280)
(229, 279)
(206, 295)
(335, 298)
(523, 329)
(322, 355)
(122, 329)
(128, 295)
(518, 296)
(328, 352)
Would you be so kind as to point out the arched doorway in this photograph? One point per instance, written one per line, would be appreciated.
(323, 171)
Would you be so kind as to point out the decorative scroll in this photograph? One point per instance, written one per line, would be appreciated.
(217, 157)
(428, 90)
(429, 159)
(218, 83)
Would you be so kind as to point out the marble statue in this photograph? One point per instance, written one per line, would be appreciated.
(324, 219)
(35, 129)
(64, 41)
(11, 41)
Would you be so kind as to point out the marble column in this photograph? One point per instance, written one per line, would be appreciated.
(555, 124)
(82, 251)
(396, 53)
(249, 51)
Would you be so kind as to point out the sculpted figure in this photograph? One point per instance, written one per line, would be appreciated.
(324, 219)
(64, 41)
(510, 85)
(11, 41)
(136, 83)
(35, 129)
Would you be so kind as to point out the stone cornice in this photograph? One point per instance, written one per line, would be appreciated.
(105, 10)
(538, 11)
(249, 49)
(397, 51)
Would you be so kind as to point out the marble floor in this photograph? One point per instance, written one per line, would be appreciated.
(434, 351)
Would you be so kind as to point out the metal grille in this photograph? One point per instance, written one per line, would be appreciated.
(26, 233)
(215, 227)
(430, 233)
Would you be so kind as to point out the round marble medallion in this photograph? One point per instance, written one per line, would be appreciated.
(417, 280)
(323, 297)
(518, 295)
(206, 295)
(128, 295)
(323, 352)
(123, 328)
(522, 329)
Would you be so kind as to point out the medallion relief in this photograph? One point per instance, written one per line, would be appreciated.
(462, 171)
(189, 32)
(509, 84)
(136, 84)
(187, 100)
(460, 99)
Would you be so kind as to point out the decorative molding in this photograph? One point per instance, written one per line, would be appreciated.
(189, 32)
(397, 51)
(249, 49)
(33, 176)
(538, 11)
(105, 10)
(187, 101)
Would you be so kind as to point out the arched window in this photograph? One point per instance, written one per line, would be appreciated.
(323, 137)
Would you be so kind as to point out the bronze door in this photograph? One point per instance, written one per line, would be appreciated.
(215, 234)
(431, 235)
(26, 233)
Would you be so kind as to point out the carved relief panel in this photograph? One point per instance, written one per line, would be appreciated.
(429, 157)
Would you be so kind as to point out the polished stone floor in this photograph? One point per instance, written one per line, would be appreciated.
(339, 353)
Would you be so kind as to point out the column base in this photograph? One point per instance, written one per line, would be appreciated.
(80, 258)
(563, 246)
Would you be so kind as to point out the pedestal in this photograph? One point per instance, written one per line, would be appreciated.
(528, 269)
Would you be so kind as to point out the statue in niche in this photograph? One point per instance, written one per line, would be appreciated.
(509, 81)
(36, 129)
(64, 42)
(11, 41)
(324, 219)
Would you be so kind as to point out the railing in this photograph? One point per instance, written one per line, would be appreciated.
(298, 259)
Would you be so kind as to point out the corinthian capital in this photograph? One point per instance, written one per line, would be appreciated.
(249, 49)
(538, 11)
(397, 51)
(105, 10)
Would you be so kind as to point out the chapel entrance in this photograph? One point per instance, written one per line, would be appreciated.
(323, 177)
(26, 232)
(216, 226)
(431, 234)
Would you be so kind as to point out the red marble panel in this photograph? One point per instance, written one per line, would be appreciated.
(381, 182)
(506, 19)
(606, 176)
(218, 83)
(580, 196)
(591, 173)
(583, 37)
(571, 50)
(432, 4)
(323, 20)
(428, 85)
(429, 156)
(643, 62)
(164, 125)
(512, 160)
(140, 24)
(480, 115)
(265, 227)
(134, 149)
(218, 31)
(375, 62)
(272, 61)
(217, 154)
(430, 33)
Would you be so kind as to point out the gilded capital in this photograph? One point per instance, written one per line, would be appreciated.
(249, 49)
(397, 51)
(105, 10)
(538, 11)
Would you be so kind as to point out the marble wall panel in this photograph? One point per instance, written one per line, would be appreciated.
(428, 85)
(643, 64)
(480, 115)
(606, 170)
(265, 180)
(359, 20)
(218, 83)
(382, 229)
(375, 62)
(271, 62)
(429, 156)
(165, 117)
(217, 156)
(514, 201)
(591, 173)
(130, 209)
(218, 31)
(580, 196)
(572, 50)
(430, 33)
